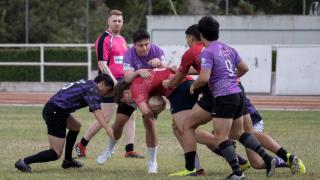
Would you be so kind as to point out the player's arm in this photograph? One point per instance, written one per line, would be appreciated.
(103, 66)
(100, 118)
(202, 79)
(242, 68)
(129, 75)
(174, 81)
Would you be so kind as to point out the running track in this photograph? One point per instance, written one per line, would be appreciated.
(260, 101)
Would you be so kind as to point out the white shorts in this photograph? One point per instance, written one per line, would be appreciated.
(259, 126)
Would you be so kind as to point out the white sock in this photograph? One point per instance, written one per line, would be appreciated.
(112, 144)
(152, 154)
(197, 163)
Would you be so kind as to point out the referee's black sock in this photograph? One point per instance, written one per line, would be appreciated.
(190, 158)
(43, 156)
(84, 142)
(129, 147)
(70, 141)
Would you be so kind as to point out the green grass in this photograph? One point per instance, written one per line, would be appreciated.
(23, 132)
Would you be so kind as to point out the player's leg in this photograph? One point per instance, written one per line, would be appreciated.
(74, 127)
(56, 126)
(123, 114)
(129, 129)
(248, 141)
(107, 110)
(177, 127)
(152, 143)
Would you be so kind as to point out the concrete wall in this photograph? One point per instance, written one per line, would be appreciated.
(165, 30)
(258, 58)
(298, 70)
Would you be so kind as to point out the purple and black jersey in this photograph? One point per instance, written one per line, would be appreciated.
(77, 95)
(254, 114)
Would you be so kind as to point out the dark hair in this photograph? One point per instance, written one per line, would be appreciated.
(193, 31)
(118, 90)
(209, 28)
(140, 35)
(105, 78)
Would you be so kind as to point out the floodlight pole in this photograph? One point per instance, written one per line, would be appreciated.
(27, 21)
(227, 7)
(303, 7)
(150, 7)
(87, 21)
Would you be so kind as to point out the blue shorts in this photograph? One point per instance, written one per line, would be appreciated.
(181, 99)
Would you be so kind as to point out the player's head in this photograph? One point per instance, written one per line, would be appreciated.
(209, 28)
(122, 93)
(115, 21)
(105, 84)
(141, 41)
(192, 34)
(157, 104)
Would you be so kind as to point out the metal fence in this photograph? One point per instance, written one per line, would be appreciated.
(42, 63)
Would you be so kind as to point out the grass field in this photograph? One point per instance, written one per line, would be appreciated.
(23, 132)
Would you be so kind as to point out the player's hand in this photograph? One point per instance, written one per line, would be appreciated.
(109, 132)
(166, 84)
(192, 88)
(155, 62)
(144, 73)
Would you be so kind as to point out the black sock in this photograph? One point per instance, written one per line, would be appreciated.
(218, 152)
(43, 156)
(240, 158)
(282, 153)
(230, 156)
(84, 142)
(70, 141)
(190, 158)
(129, 147)
(250, 142)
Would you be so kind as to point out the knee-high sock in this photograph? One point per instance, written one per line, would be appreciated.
(70, 141)
(43, 156)
(250, 142)
(230, 156)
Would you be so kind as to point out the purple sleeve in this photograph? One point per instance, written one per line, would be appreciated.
(128, 60)
(206, 60)
(93, 99)
(159, 54)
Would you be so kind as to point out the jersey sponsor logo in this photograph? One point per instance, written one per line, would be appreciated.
(118, 59)
(127, 66)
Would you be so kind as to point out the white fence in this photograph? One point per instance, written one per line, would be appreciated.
(297, 67)
(42, 63)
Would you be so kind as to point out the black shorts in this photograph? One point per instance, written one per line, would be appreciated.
(56, 120)
(229, 106)
(125, 109)
(181, 99)
(109, 99)
(206, 100)
(245, 109)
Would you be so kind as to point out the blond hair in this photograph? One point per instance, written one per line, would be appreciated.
(115, 12)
